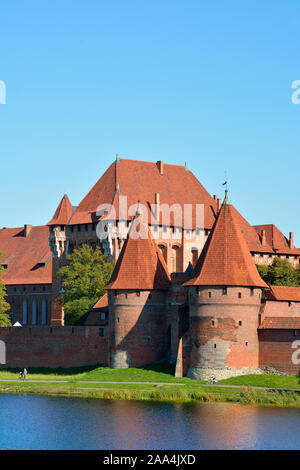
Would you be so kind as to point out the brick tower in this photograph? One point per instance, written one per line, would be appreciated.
(59, 246)
(139, 320)
(224, 301)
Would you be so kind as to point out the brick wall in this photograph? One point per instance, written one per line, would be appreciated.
(276, 351)
(44, 346)
(140, 328)
(223, 327)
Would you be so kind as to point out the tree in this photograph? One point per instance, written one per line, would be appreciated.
(83, 277)
(4, 306)
(280, 273)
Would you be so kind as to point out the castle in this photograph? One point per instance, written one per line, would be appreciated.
(185, 293)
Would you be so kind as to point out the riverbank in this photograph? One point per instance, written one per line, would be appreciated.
(153, 383)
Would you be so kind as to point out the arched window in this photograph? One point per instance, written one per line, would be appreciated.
(176, 259)
(25, 312)
(164, 252)
(195, 256)
(44, 311)
(34, 312)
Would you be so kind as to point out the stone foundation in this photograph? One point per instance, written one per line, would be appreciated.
(201, 373)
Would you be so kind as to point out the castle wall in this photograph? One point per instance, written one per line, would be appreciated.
(17, 294)
(139, 324)
(275, 308)
(44, 346)
(276, 350)
(223, 330)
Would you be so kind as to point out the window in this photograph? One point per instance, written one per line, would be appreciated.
(25, 312)
(138, 293)
(252, 291)
(213, 323)
(78, 228)
(209, 294)
(215, 346)
(44, 311)
(246, 343)
(240, 295)
(101, 331)
(224, 290)
(240, 323)
(34, 312)
(103, 316)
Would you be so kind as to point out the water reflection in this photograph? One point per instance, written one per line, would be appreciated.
(32, 422)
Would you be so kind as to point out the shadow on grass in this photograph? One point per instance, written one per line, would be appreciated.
(164, 368)
(54, 371)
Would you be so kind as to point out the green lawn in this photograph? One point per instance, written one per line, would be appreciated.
(266, 380)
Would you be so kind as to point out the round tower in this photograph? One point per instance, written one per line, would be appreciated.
(224, 302)
(139, 320)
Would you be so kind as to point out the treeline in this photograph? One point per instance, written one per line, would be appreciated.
(280, 273)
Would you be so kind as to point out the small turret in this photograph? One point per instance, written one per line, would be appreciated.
(59, 246)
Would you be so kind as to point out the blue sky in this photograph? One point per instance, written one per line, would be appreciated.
(204, 82)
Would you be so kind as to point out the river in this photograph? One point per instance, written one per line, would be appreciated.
(50, 423)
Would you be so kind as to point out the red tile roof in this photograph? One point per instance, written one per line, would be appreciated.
(29, 258)
(283, 293)
(280, 323)
(94, 315)
(103, 302)
(140, 264)
(276, 239)
(141, 180)
(63, 213)
(251, 235)
(225, 259)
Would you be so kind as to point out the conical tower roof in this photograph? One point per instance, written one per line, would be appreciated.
(63, 213)
(225, 259)
(140, 264)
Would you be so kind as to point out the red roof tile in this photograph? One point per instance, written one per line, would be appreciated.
(30, 257)
(280, 323)
(63, 213)
(251, 235)
(225, 259)
(103, 302)
(276, 239)
(140, 264)
(141, 180)
(283, 293)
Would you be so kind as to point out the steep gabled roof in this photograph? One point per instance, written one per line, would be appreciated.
(28, 258)
(276, 239)
(141, 180)
(140, 264)
(251, 235)
(63, 213)
(225, 259)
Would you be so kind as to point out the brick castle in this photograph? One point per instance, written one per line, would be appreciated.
(187, 294)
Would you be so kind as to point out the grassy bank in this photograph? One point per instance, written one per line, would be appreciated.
(157, 383)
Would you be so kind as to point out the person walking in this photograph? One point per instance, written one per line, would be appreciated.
(24, 374)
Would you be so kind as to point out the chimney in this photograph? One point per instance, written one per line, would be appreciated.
(291, 240)
(219, 204)
(27, 229)
(157, 202)
(263, 238)
(160, 166)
